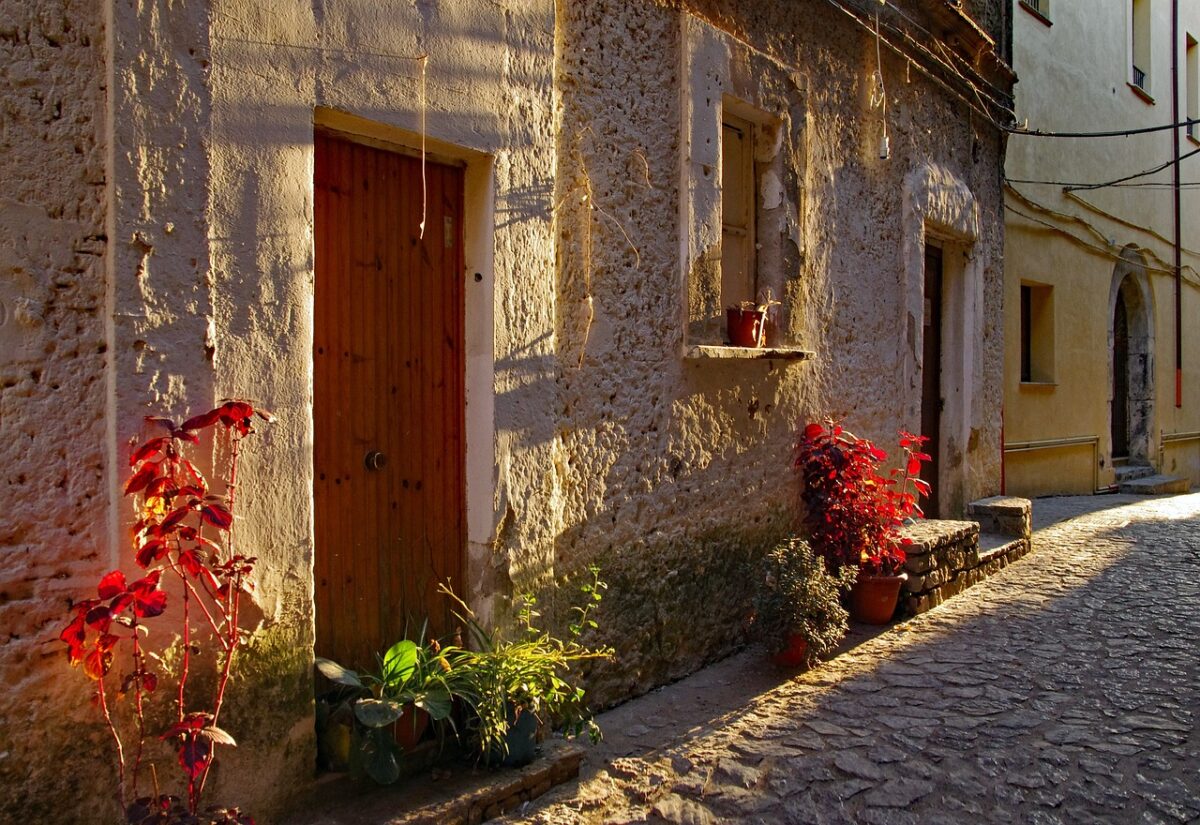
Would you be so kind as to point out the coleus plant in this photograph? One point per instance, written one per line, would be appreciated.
(851, 512)
(184, 532)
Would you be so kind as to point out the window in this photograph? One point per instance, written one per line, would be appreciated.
(1040, 9)
(1192, 87)
(1140, 37)
(1037, 334)
(737, 210)
(741, 203)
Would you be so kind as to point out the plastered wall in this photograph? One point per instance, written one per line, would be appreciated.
(590, 438)
(1075, 77)
(53, 522)
(677, 469)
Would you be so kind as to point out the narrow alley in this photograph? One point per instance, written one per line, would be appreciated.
(1063, 689)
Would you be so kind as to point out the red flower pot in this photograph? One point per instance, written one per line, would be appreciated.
(873, 598)
(744, 326)
(410, 727)
(793, 654)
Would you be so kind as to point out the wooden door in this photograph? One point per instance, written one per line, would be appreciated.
(931, 374)
(1120, 389)
(388, 397)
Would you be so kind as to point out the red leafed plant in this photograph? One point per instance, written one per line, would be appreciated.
(185, 532)
(852, 512)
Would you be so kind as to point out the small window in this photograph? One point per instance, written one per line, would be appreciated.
(1192, 90)
(1037, 334)
(1140, 37)
(737, 211)
(1040, 8)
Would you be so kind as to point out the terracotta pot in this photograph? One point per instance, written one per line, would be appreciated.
(410, 727)
(873, 598)
(793, 654)
(743, 326)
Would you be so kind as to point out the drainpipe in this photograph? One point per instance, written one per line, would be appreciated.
(1178, 260)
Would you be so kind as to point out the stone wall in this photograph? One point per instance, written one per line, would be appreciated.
(676, 471)
(590, 438)
(54, 520)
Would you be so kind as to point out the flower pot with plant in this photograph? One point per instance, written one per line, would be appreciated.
(853, 513)
(746, 322)
(413, 685)
(513, 685)
(797, 609)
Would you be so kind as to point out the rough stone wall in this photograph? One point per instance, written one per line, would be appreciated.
(678, 470)
(218, 103)
(53, 524)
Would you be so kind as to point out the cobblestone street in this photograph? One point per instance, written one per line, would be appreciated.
(1064, 689)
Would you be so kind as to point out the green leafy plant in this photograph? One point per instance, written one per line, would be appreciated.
(799, 597)
(409, 675)
(851, 512)
(534, 673)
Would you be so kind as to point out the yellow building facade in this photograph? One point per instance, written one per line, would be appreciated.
(1092, 325)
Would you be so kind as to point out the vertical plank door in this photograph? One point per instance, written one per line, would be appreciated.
(388, 396)
(931, 375)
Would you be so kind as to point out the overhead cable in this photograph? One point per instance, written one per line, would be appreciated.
(1017, 130)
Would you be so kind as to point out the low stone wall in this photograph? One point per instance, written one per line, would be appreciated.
(947, 557)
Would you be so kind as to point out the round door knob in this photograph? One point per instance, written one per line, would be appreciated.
(375, 460)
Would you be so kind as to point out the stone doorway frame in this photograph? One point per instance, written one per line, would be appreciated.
(940, 208)
(1131, 281)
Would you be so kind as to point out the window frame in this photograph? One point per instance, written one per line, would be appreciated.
(1037, 328)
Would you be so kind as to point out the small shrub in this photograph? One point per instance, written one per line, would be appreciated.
(184, 532)
(799, 596)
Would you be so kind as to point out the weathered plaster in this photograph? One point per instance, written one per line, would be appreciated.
(590, 225)
(52, 355)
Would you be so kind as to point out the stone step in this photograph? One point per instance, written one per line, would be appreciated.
(1131, 472)
(1155, 485)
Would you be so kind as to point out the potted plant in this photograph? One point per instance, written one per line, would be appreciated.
(746, 322)
(853, 513)
(413, 685)
(797, 610)
(514, 685)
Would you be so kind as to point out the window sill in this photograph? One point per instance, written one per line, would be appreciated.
(1142, 93)
(1194, 139)
(702, 352)
(1038, 385)
(1036, 13)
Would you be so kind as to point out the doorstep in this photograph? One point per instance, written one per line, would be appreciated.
(448, 795)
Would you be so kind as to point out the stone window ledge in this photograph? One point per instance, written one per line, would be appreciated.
(701, 352)
(1038, 385)
(1142, 93)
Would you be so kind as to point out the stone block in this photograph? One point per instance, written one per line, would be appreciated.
(1007, 515)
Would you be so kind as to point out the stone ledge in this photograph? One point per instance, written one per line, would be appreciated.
(928, 535)
(1008, 515)
(468, 797)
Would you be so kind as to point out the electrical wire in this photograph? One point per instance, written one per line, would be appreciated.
(1158, 168)
(842, 7)
(1014, 130)
(1076, 185)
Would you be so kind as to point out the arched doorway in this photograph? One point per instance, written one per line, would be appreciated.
(1131, 348)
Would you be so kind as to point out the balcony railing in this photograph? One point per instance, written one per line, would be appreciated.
(1139, 78)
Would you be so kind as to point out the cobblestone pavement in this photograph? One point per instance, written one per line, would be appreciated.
(1063, 689)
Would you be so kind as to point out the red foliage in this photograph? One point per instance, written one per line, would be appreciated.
(176, 512)
(851, 512)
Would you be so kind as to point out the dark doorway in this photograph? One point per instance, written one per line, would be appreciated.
(388, 396)
(1120, 373)
(931, 374)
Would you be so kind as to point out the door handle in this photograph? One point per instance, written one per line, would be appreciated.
(374, 460)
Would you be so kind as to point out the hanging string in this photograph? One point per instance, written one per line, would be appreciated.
(424, 185)
(879, 94)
